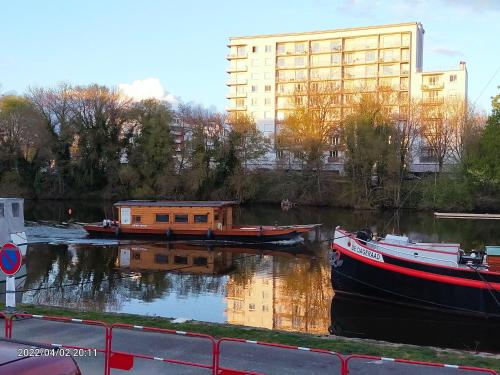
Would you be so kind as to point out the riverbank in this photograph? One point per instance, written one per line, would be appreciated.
(333, 343)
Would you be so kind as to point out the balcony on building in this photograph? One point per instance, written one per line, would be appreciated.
(235, 69)
(234, 95)
(432, 86)
(234, 56)
(234, 108)
(234, 82)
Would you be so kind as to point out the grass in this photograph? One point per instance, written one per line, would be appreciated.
(340, 345)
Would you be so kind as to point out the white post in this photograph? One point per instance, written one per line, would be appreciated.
(10, 293)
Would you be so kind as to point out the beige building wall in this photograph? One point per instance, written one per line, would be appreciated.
(264, 70)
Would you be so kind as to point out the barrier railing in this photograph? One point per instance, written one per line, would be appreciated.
(222, 369)
(6, 323)
(125, 360)
(462, 370)
(104, 350)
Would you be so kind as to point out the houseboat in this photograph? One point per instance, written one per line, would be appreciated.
(432, 275)
(188, 220)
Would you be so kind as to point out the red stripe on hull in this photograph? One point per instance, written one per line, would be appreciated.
(419, 274)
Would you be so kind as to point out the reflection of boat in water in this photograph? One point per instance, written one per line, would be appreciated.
(12, 230)
(363, 318)
(430, 275)
(195, 220)
(194, 259)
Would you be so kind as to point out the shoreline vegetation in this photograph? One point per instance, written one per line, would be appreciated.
(332, 343)
(90, 142)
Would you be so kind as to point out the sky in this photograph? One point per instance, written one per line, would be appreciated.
(176, 50)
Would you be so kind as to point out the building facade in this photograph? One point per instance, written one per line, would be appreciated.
(266, 70)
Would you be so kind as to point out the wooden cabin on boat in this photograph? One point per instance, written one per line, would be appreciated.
(198, 220)
(176, 215)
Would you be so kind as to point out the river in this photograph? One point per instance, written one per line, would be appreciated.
(277, 288)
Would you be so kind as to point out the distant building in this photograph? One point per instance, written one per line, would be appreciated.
(265, 70)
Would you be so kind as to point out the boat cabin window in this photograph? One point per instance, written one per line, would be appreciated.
(136, 255)
(180, 260)
(181, 218)
(216, 215)
(200, 261)
(1, 210)
(201, 218)
(161, 258)
(136, 219)
(15, 209)
(162, 218)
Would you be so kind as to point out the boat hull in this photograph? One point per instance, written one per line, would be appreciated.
(235, 235)
(399, 281)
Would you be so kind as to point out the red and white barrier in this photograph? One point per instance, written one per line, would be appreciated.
(280, 346)
(125, 360)
(104, 350)
(460, 369)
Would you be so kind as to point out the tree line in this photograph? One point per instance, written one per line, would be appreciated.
(91, 142)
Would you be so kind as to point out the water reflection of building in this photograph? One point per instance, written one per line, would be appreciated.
(183, 258)
(294, 296)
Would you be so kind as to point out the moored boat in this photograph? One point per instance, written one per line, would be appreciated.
(430, 275)
(188, 220)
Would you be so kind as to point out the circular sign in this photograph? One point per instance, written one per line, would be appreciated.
(10, 259)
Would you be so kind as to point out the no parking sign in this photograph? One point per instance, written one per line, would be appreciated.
(11, 259)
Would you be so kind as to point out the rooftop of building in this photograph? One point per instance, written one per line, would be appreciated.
(328, 31)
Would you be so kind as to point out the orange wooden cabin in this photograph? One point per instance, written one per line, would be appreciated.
(172, 220)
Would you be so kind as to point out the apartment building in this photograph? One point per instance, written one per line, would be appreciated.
(266, 70)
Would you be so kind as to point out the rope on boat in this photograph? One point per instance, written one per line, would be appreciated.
(488, 284)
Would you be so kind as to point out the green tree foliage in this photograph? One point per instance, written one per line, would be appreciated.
(371, 153)
(23, 142)
(484, 166)
(150, 168)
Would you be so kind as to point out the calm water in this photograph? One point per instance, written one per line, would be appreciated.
(287, 288)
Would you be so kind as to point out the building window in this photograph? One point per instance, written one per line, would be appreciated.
(268, 62)
(180, 260)
(241, 51)
(267, 115)
(453, 78)
(161, 259)
(181, 218)
(405, 68)
(201, 218)
(267, 88)
(254, 88)
(200, 261)
(251, 306)
(15, 209)
(255, 101)
(265, 308)
(254, 49)
(281, 62)
(268, 48)
(281, 48)
(162, 218)
(255, 62)
(299, 61)
(300, 48)
(267, 101)
(240, 102)
(136, 219)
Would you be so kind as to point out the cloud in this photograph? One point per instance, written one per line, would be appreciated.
(476, 5)
(146, 89)
(447, 51)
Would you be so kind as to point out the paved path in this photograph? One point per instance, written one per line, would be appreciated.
(266, 360)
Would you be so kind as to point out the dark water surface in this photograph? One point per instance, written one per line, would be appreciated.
(284, 288)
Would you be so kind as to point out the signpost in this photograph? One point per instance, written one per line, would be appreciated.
(10, 263)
